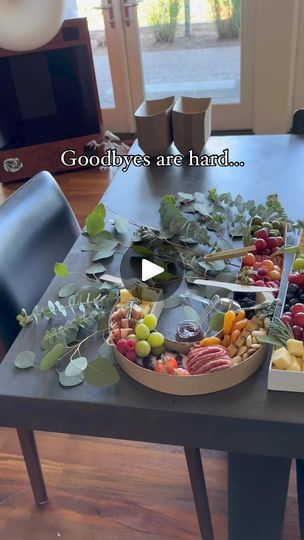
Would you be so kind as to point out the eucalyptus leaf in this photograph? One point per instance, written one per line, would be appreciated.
(104, 235)
(25, 360)
(52, 357)
(212, 266)
(96, 269)
(103, 321)
(106, 351)
(270, 340)
(52, 307)
(186, 196)
(76, 366)
(88, 293)
(217, 322)
(94, 224)
(187, 240)
(142, 250)
(164, 276)
(203, 209)
(103, 254)
(89, 246)
(121, 225)
(61, 270)
(100, 210)
(106, 244)
(68, 381)
(172, 302)
(100, 372)
(191, 314)
(67, 290)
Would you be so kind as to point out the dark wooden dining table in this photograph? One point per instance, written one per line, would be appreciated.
(260, 430)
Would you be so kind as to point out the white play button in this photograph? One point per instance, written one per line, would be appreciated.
(150, 270)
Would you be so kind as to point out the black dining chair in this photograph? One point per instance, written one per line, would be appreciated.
(297, 127)
(37, 228)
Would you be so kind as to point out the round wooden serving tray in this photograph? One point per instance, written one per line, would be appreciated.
(192, 385)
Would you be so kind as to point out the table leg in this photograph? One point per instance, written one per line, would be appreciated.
(257, 492)
(300, 486)
(198, 484)
(32, 462)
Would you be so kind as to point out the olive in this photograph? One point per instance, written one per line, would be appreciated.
(276, 225)
(255, 228)
(274, 232)
(286, 308)
(292, 302)
(267, 225)
(256, 220)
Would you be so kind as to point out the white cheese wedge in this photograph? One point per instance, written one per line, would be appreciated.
(281, 358)
(295, 347)
(296, 364)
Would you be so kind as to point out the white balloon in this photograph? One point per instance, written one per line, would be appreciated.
(29, 24)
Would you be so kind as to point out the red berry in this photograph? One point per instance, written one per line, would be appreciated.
(131, 355)
(262, 271)
(272, 242)
(297, 308)
(260, 283)
(294, 278)
(298, 332)
(160, 367)
(262, 233)
(298, 319)
(260, 245)
(122, 345)
(287, 319)
(131, 344)
(280, 241)
(171, 365)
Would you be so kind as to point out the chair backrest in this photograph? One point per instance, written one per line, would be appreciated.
(37, 228)
(298, 122)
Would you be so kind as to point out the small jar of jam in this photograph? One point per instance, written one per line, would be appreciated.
(189, 331)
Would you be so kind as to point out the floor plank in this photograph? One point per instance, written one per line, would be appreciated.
(105, 489)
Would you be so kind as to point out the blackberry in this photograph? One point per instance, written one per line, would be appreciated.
(293, 289)
(179, 359)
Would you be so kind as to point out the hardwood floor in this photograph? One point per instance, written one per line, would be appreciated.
(106, 489)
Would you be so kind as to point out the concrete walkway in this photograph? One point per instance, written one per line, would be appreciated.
(210, 72)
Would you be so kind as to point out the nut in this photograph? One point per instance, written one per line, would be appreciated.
(249, 341)
(256, 346)
(242, 350)
(237, 359)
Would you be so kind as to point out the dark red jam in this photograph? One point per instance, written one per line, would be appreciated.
(189, 331)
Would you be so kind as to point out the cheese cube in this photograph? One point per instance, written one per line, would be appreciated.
(295, 347)
(295, 364)
(240, 341)
(233, 350)
(145, 309)
(281, 358)
(125, 296)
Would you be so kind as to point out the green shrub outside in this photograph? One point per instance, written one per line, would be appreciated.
(227, 17)
(163, 17)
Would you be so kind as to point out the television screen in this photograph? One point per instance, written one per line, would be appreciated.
(46, 96)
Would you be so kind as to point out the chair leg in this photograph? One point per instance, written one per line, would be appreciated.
(32, 462)
(198, 484)
(300, 486)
